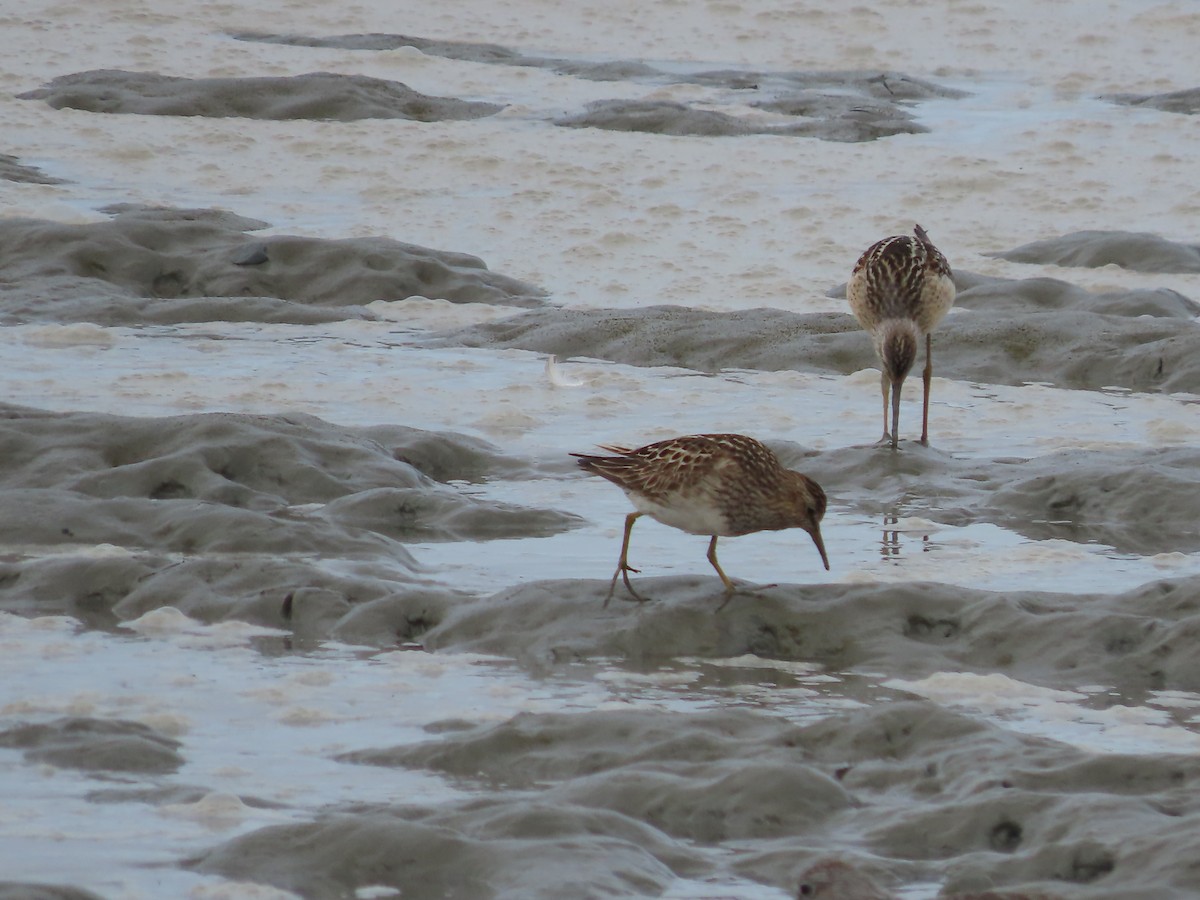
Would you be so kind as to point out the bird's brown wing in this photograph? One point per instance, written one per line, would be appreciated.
(661, 468)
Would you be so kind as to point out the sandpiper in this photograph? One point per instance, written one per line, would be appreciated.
(899, 290)
(721, 485)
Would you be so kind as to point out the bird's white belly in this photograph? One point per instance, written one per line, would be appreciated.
(694, 513)
(936, 300)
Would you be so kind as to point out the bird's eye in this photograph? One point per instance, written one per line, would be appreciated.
(806, 890)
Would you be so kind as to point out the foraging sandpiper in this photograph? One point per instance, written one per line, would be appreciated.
(721, 485)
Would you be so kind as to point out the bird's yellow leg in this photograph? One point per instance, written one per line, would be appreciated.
(623, 567)
(712, 558)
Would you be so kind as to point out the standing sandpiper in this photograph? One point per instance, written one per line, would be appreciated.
(899, 290)
(714, 484)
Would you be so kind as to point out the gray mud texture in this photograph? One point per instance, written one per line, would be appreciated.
(848, 106)
(489, 849)
(1137, 251)
(885, 792)
(250, 503)
(1004, 332)
(165, 266)
(295, 523)
(230, 517)
(1133, 500)
(834, 118)
(12, 169)
(924, 789)
(108, 745)
(1136, 640)
(14, 890)
(1186, 102)
(322, 96)
(624, 802)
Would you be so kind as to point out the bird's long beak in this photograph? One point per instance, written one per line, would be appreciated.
(816, 536)
(896, 385)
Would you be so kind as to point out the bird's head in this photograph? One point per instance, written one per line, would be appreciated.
(807, 503)
(896, 342)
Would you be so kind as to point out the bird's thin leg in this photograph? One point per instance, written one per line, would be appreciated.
(712, 558)
(623, 567)
(928, 375)
(884, 385)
